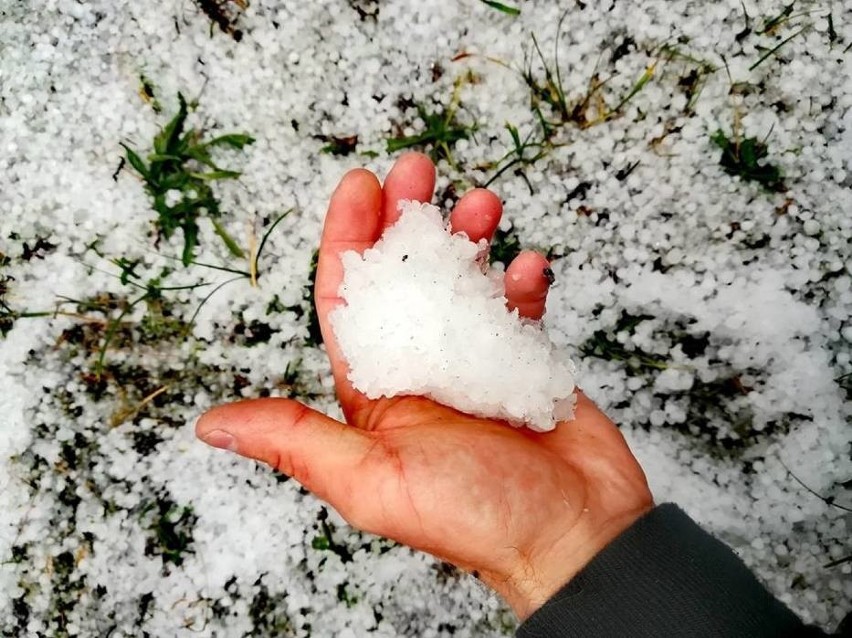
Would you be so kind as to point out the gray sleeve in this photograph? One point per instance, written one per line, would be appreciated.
(664, 576)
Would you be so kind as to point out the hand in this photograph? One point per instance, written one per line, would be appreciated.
(523, 511)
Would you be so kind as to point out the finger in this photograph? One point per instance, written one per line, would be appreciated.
(412, 177)
(352, 223)
(329, 458)
(477, 215)
(528, 278)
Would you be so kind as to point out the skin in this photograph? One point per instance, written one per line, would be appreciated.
(523, 511)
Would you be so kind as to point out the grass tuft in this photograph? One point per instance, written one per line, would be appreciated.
(521, 154)
(158, 323)
(178, 175)
(694, 80)
(268, 613)
(171, 529)
(553, 109)
(746, 158)
(604, 344)
(440, 132)
(548, 97)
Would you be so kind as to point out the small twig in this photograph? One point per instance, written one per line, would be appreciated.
(839, 561)
(121, 164)
(122, 415)
(827, 500)
(79, 317)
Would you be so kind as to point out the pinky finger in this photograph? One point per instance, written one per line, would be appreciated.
(528, 279)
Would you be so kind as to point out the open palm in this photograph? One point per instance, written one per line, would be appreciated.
(522, 510)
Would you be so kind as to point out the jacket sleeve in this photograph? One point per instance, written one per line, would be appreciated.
(664, 576)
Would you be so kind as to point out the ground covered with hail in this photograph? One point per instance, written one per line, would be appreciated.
(164, 172)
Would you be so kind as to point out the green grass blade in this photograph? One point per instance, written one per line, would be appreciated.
(155, 158)
(202, 264)
(222, 268)
(206, 299)
(399, 143)
(166, 140)
(556, 56)
(265, 237)
(229, 242)
(201, 284)
(646, 77)
(516, 138)
(512, 11)
(775, 49)
(135, 161)
(32, 314)
(200, 155)
(234, 140)
(190, 241)
(216, 175)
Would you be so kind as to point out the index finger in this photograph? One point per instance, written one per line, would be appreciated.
(353, 222)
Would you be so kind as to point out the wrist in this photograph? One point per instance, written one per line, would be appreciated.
(541, 573)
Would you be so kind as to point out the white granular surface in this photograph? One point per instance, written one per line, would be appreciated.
(745, 295)
(421, 318)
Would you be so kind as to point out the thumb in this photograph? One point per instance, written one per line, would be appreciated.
(324, 455)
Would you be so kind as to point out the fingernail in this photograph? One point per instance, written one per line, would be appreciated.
(221, 440)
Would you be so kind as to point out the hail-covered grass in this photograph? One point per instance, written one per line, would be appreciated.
(701, 266)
